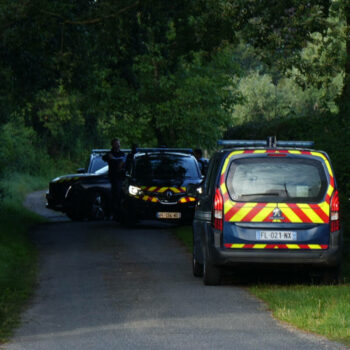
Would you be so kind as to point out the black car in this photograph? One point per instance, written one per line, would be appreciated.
(89, 197)
(157, 186)
(268, 203)
(58, 187)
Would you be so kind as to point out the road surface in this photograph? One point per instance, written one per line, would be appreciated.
(106, 287)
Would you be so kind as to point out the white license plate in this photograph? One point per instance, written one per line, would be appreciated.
(276, 236)
(168, 215)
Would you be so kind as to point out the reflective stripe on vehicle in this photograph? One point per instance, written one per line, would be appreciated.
(276, 246)
(163, 189)
(263, 212)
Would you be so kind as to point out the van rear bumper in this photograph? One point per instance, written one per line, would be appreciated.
(328, 257)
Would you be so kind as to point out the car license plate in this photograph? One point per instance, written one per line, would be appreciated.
(276, 236)
(168, 215)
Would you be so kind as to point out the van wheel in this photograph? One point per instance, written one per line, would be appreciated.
(197, 268)
(211, 273)
(331, 275)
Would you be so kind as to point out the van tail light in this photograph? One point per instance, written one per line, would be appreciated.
(334, 217)
(218, 211)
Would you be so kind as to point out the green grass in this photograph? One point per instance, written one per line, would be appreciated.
(323, 310)
(17, 255)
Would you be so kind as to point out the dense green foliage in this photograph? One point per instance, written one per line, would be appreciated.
(17, 255)
(75, 73)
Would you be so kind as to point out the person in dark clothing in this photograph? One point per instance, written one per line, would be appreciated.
(202, 162)
(130, 157)
(116, 171)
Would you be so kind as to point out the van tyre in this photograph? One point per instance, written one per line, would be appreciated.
(331, 275)
(197, 268)
(211, 273)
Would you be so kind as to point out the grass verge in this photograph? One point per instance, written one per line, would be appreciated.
(17, 255)
(324, 310)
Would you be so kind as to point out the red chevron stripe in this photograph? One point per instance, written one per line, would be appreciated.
(324, 217)
(233, 211)
(267, 219)
(328, 199)
(222, 179)
(253, 212)
(297, 211)
(274, 246)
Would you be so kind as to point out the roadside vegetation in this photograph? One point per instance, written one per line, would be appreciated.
(181, 74)
(18, 257)
(323, 310)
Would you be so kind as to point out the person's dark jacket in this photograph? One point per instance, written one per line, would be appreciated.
(116, 161)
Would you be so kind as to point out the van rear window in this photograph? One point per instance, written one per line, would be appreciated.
(276, 180)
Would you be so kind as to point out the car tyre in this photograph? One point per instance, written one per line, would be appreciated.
(211, 273)
(97, 206)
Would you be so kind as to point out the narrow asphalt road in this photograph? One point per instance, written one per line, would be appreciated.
(105, 287)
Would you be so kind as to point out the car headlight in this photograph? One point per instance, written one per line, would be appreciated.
(134, 190)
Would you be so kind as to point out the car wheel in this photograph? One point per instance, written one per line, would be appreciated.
(73, 208)
(97, 206)
(211, 273)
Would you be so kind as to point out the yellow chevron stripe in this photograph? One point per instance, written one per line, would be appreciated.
(154, 200)
(163, 189)
(325, 207)
(292, 246)
(294, 152)
(242, 212)
(259, 246)
(289, 213)
(261, 215)
(175, 190)
(152, 189)
(312, 214)
(237, 245)
(315, 246)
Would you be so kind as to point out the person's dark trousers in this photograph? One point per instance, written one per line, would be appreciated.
(116, 185)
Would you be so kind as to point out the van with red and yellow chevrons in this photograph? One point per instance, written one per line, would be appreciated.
(272, 202)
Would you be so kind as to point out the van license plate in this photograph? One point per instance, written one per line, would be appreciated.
(168, 215)
(276, 236)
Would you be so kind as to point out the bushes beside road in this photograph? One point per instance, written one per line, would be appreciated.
(17, 255)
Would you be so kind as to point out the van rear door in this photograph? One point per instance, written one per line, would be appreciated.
(276, 199)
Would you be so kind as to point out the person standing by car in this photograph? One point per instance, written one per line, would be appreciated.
(202, 162)
(116, 171)
(130, 158)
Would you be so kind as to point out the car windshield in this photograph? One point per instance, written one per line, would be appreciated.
(96, 163)
(276, 180)
(103, 170)
(165, 167)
